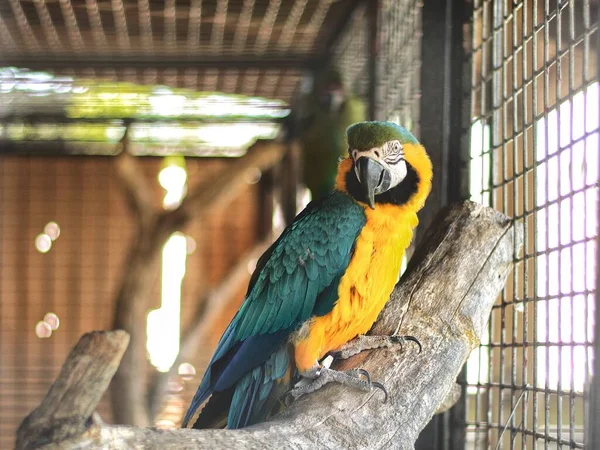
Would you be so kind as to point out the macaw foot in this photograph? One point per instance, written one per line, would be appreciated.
(319, 376)
(363, 342)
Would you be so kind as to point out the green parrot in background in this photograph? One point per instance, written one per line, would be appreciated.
(324, 114)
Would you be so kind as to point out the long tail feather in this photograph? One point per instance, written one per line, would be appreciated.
(256, 396)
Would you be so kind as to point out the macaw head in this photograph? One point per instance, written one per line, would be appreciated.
(386, 165)
(331, 93)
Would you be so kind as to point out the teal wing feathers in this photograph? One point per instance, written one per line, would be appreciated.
(296, 278)
(305, 261)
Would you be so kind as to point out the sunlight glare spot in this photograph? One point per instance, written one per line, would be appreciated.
(52, 320)
(186, 371)
(43, 243)
(43, 330)
(52, 230)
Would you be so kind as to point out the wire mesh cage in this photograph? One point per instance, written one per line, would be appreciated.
(399, 70)
(534, 156)
(351, 53)
(397, 59)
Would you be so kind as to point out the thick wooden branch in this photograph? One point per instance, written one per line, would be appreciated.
(444, 299)
(68, 406)
(135, 186)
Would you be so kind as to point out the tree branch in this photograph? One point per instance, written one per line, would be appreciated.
(444, 299)
(75, 394)
(135, 186)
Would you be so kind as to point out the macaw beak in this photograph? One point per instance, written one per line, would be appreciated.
(371, 175)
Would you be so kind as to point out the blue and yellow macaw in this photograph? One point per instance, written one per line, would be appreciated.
(321, 284)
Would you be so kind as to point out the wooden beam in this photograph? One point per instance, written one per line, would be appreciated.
(162, 61)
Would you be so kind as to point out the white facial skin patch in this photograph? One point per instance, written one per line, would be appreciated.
(391, 156)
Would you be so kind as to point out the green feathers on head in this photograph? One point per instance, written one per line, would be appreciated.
(366, 135)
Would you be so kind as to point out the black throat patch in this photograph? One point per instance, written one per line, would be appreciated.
(398, 195)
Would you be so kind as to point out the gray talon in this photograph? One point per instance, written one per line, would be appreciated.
(400, 339)
(288, 398)
(415, 340)
(382, 388)
(364, 373)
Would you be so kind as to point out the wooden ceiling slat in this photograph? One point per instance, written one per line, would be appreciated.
(238, 39)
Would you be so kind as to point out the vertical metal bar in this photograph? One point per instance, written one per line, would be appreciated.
(460, 14)
(570, 204)
(591, 424)
(535, 89)
(557, 95)
(443, 78)
(593, 431)
(442, 103)
(546, 224)
(496, 158)
(373, 9)
(516, 388)
(525, 82)
(4, 360)
(486, 107)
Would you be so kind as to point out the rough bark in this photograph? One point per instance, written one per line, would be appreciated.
(74, 396)
(444, 299)
(128, 390)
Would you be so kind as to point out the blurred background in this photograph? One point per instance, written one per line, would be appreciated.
(131, 195)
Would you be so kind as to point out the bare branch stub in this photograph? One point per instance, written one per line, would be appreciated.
(74, 396)
(444, 299)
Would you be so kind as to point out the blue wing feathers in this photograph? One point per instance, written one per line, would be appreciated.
(248, 356)
(254, 389)
(296, 278)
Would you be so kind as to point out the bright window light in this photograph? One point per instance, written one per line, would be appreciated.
(173, 180)
(566, 199)
(566, 226)
(478, 370)
(163, 327)
(218, 136)
(164, 324)
(480, 163)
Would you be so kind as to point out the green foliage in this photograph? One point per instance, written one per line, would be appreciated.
(126, 100)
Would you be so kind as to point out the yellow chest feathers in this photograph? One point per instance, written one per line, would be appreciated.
(365, 287)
